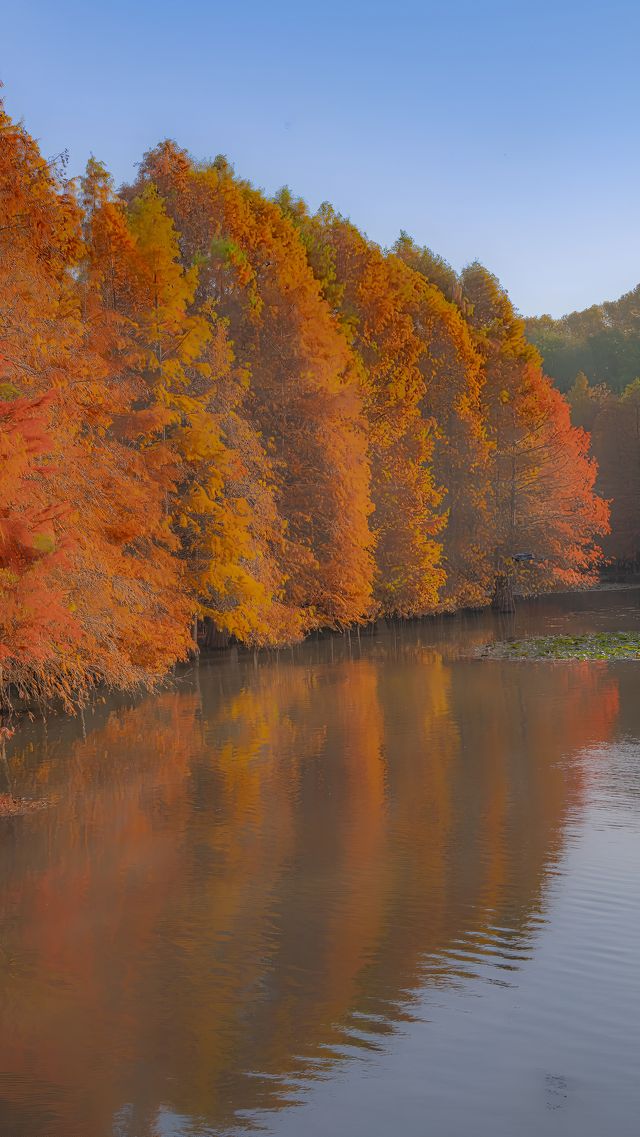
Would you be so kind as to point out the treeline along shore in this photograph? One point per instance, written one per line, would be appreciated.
(225, 410)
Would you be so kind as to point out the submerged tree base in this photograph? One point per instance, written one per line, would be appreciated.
(595, 645)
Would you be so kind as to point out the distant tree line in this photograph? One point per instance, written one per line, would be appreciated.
(613, 421)
(602, 341)
(594, 357)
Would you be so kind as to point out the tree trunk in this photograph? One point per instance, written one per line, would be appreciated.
(503, 599)
(211, 638)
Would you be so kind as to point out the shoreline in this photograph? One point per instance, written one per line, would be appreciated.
(18, 708)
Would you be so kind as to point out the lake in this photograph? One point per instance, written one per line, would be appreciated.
(370, 886)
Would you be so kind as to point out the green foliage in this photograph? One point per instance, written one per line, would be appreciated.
(596, 646)
(602, 341)
(430, 265)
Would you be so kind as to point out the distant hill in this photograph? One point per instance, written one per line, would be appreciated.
(602, 341)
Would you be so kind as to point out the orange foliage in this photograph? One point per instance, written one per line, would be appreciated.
(36, 624)
(304, 401)
(367, 291)
(542, 479)
(120, 579)
(454, 389)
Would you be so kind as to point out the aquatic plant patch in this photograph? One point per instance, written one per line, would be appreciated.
(596, 645)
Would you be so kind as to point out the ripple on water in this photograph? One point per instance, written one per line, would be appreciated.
(363, 892)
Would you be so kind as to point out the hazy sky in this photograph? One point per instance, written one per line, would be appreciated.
(506, 132)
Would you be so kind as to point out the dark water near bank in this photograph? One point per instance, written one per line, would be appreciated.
(370, 889)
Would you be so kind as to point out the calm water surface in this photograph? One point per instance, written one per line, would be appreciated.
(361, 889)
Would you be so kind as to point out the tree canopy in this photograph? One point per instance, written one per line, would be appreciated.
(224, 415)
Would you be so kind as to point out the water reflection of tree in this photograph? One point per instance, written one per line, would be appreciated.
(250, 872)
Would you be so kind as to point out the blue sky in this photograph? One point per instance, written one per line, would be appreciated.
(506, 132)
